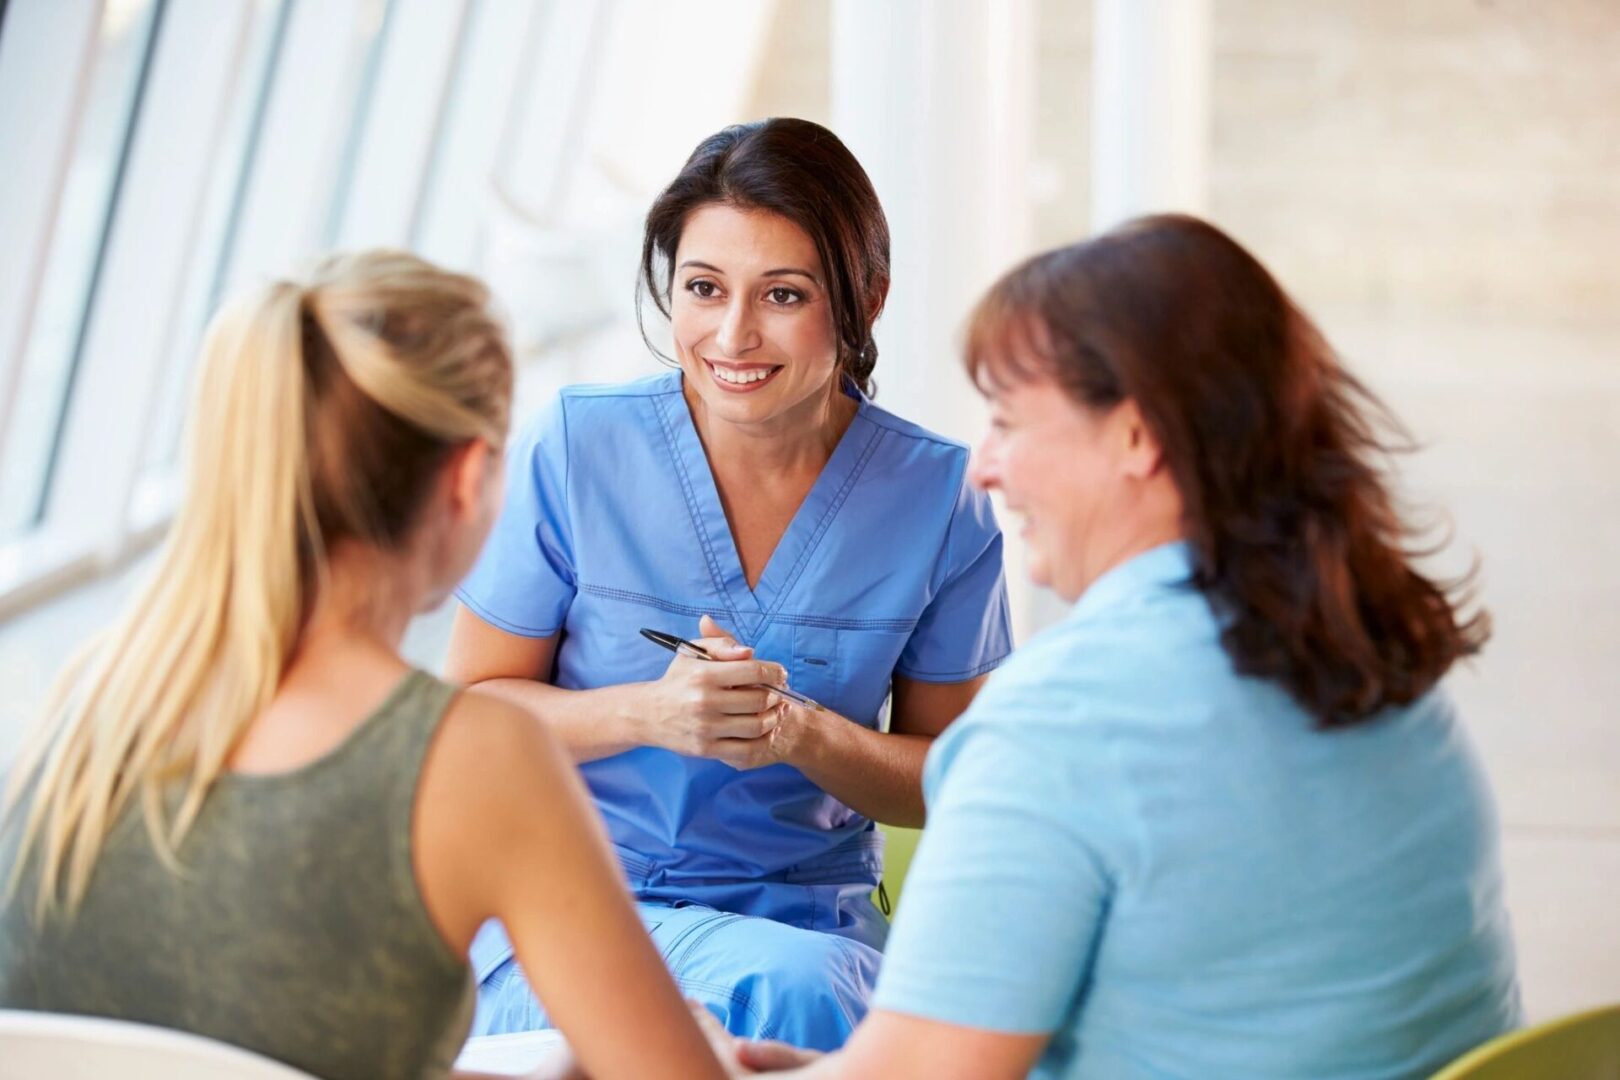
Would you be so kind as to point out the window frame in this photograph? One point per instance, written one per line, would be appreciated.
(106, 504)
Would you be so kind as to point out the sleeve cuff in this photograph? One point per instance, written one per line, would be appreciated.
(954, 676)
(504, 624)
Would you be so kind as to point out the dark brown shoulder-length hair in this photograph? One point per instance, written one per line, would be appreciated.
(800, 171)
(1276, 449)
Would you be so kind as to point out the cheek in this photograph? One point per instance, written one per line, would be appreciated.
(1023, 463)
(688, 326)
(809, 341)
(1049, 477)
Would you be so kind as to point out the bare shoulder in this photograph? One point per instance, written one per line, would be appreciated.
(486, 739)
(492, 773)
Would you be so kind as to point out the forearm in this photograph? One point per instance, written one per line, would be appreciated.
(875, 774)
(590, 723)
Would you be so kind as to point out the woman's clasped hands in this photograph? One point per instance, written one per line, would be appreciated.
(717, 708)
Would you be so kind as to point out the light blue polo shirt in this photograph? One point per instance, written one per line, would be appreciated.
(1165, 866)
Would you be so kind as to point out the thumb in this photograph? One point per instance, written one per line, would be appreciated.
(771, 1056)
(707, 627)
(721, 642)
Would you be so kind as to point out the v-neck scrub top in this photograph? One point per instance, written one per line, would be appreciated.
(612, 522)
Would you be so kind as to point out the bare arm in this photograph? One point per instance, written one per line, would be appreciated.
(589, 723)
(896, 1046)
(875, 773)
(687, 710)
(504, 829)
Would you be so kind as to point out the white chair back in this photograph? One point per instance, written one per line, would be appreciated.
(52, 1046)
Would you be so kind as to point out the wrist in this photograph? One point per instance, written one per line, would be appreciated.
(633, 708)
(804, 738)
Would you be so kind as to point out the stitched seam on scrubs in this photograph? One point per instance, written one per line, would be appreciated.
(505, 624)
(830, 622)
(737, 997)
(642, 386)
(823, 875)
(825, 622)
(567, 493)
(680, 938)
(833, 506)
(701, 933)
(889, 422)
(945, 676)
(661, 407)
(644, 598)
(636, 867)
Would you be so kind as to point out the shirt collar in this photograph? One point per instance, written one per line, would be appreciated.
(1165, 566)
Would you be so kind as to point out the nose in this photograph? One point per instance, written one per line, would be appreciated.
(737, 334)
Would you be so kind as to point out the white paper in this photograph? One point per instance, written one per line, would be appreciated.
(511, 1055)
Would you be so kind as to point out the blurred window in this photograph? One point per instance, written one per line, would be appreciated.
(84, 219)
(221, 216)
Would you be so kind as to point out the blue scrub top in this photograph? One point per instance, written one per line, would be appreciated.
(612, 522)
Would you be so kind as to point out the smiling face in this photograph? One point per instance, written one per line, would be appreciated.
(1089, 483)
(1051, 460)
(750, 316)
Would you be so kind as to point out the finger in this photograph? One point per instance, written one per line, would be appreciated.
(724, 648)
(745, 673)
(742, 753)
(739, 702)
(743, 726)
(705, 1019)
(738, 674)
(769, 1056)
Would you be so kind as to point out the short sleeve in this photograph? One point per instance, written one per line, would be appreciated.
(966, 629)
(524, 580)
(1006, 897)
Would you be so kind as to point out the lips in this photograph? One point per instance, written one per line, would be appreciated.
(742, 378)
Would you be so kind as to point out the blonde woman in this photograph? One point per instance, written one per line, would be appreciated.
(244, 815)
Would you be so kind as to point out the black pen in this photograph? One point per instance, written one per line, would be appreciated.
(682, 647)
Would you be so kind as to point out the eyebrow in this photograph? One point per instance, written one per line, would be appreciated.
(780, 271)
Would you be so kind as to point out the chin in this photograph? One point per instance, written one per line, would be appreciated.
(1038, 574)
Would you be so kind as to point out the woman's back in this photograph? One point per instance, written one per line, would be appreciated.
(295, 928)
(1228, 890)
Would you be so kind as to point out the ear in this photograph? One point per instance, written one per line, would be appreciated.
(467, 474)
(1141, 456)
(880, 298)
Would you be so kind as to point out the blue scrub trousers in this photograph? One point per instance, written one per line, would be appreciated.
(763, 979)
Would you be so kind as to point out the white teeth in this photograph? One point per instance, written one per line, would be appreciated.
(740, 378)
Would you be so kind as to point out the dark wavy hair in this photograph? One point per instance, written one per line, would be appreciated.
(802, 172)
(1276, 449)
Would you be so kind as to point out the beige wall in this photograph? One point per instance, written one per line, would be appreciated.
(1451, 153)
(1448, 155)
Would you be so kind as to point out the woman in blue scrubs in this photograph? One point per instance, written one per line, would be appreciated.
(757, 500)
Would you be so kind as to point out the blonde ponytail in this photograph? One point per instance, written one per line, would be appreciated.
(301, 387)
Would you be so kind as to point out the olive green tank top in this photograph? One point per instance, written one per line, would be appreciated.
(295, 928)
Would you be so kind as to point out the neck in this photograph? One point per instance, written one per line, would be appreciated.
(368, 598)
(802, 437)
(1159, 523)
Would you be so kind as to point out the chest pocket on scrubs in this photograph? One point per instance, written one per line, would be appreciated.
(815, 663)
